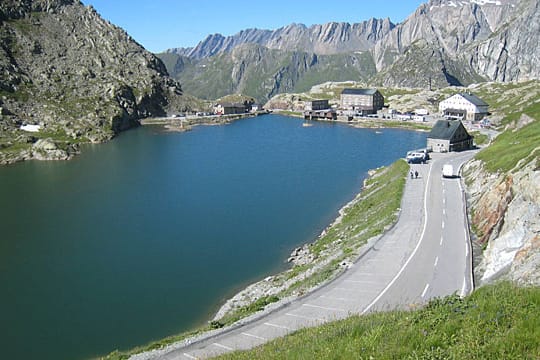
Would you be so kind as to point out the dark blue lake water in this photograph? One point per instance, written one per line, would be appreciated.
(148, 235)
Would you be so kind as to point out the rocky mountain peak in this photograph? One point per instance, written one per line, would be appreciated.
(16, 9)
(325, 39)
(76, 75)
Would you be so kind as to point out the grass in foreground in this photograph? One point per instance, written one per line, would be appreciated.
(496, 322)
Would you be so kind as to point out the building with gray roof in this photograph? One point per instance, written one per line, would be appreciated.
(449, 135)
(464, 106)
(362, 101)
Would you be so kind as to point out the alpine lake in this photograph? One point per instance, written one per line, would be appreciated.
(148, 235)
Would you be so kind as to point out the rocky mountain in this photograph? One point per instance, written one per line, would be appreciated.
(468, 41)
(262, 63)
(444, 42)
(261, 72)
(75, 75)
(326, 39)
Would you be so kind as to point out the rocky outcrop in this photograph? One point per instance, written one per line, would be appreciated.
(301, 255)
(76, 75)
(506, 219)
(472, 40)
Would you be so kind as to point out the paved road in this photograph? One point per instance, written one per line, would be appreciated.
(427, 254)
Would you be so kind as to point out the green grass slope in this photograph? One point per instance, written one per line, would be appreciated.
(496, 322)
(261, 72)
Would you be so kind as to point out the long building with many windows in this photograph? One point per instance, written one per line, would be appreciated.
(362, 101)
(464, 106)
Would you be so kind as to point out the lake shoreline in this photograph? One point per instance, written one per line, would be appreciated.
(266, 287)
(366, 123)
(50, 149)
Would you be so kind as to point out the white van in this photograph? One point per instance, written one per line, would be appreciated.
(447, 171)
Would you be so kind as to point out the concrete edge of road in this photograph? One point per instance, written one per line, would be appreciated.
(369, 246)
(364, 250)
(467, 225)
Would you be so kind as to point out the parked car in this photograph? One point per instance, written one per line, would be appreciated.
(416, 158)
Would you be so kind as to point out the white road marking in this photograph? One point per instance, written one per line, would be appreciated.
(254, 336)
(277, 326)
(466, 249)
(442, 239)
(190, 356)
(223, 347)
(436, 261)
(444, 211)
(412, 254)
(323, 307)
(425, 290)
(443, 224)
(304, 317)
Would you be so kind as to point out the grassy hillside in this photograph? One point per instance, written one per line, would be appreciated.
(495, 322)
(341, 67)
(513, 148)
(517, 107)
(261, 72)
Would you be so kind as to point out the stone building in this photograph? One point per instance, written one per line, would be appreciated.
(362, 101)
(464, 106)
(229, 108)
(314, 105)
(449, 135)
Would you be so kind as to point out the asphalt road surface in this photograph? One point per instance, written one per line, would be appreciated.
(426, 255)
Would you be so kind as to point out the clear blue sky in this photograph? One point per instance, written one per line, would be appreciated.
(162, 24)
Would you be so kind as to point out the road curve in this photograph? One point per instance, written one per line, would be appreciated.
(425, 255)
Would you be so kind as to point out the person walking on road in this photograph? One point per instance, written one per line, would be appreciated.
(416, 174)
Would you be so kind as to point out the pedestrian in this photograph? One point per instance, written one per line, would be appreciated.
(416, 174)
(411, 174)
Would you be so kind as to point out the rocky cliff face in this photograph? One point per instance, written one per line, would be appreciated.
(326, 39)
(506, 219)
(76, 75)
(476, 40)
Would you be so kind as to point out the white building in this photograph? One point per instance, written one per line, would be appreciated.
(464, 106)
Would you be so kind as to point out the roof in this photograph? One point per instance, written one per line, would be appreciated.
(311, 101)
(228, 104)
(444, 129)
(473, 99)
(359, 91)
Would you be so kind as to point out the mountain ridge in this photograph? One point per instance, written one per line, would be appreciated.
(326, 39)
(443, 42)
